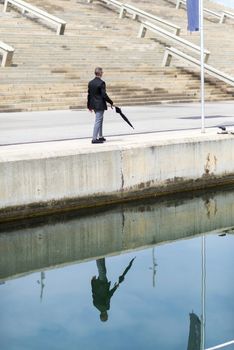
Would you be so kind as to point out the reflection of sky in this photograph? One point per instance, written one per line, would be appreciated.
(229, 3)
(140, 316)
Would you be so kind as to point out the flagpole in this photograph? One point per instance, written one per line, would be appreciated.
(202, 93)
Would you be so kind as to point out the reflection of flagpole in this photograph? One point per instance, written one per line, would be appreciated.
(203, 306)
(203, 294)
(202, 66)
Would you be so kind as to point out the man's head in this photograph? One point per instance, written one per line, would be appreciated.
(98, 72)
(103, 316)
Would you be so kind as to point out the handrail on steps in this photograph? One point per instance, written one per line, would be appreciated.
(172, 37)
(172, 52)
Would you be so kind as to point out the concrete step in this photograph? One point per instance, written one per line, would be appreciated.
(94, 33)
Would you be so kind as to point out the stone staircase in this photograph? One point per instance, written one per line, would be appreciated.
(51, 72)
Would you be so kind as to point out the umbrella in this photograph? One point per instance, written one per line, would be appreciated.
(118, 110)
(121, 278)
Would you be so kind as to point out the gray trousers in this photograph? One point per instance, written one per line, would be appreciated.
(97, 130)
(101, 265)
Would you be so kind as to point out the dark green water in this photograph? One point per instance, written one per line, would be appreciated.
(50, 299)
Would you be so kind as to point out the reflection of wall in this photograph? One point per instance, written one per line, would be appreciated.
(112, 232)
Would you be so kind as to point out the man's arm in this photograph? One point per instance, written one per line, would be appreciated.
(112, 290)
(104, 94)
(88, 98)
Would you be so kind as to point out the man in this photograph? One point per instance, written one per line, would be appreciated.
(97, 98)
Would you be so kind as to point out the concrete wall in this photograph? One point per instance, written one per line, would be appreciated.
(43, 178)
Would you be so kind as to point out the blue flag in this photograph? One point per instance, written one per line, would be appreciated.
(193, 15)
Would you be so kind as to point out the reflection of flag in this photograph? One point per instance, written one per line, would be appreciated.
(193, 15)
(194, 340)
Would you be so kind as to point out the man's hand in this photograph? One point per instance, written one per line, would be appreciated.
(121, 278)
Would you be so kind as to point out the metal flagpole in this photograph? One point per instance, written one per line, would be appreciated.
(202, 66)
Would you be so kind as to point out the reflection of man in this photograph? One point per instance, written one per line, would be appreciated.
(101, 288)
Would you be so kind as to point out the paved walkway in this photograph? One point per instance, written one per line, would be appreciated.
(27, 127)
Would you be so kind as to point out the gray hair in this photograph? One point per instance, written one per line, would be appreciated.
(98, 71)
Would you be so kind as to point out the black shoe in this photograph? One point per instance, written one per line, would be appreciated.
(97, 141)
(102, 139)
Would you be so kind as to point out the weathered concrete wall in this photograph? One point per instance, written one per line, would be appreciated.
(42, 178)
(126, 228)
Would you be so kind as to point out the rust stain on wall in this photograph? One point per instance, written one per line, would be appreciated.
(211, 164)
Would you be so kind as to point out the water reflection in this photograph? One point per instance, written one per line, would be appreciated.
(41, 282)
(154, 265)
(101, 290)
(163, 317)
(75, 238)
(194, 341)
(83, 266)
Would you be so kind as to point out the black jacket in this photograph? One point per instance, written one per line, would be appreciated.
(97, 96)
(102, 293)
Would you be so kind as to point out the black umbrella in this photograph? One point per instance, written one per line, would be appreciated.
(121, 278)
(118, 110)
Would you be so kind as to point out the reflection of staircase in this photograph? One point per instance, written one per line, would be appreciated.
(51, 72)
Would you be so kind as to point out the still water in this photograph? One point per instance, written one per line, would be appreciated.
(150, 275)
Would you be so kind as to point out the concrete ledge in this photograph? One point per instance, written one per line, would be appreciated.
(38, 179)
